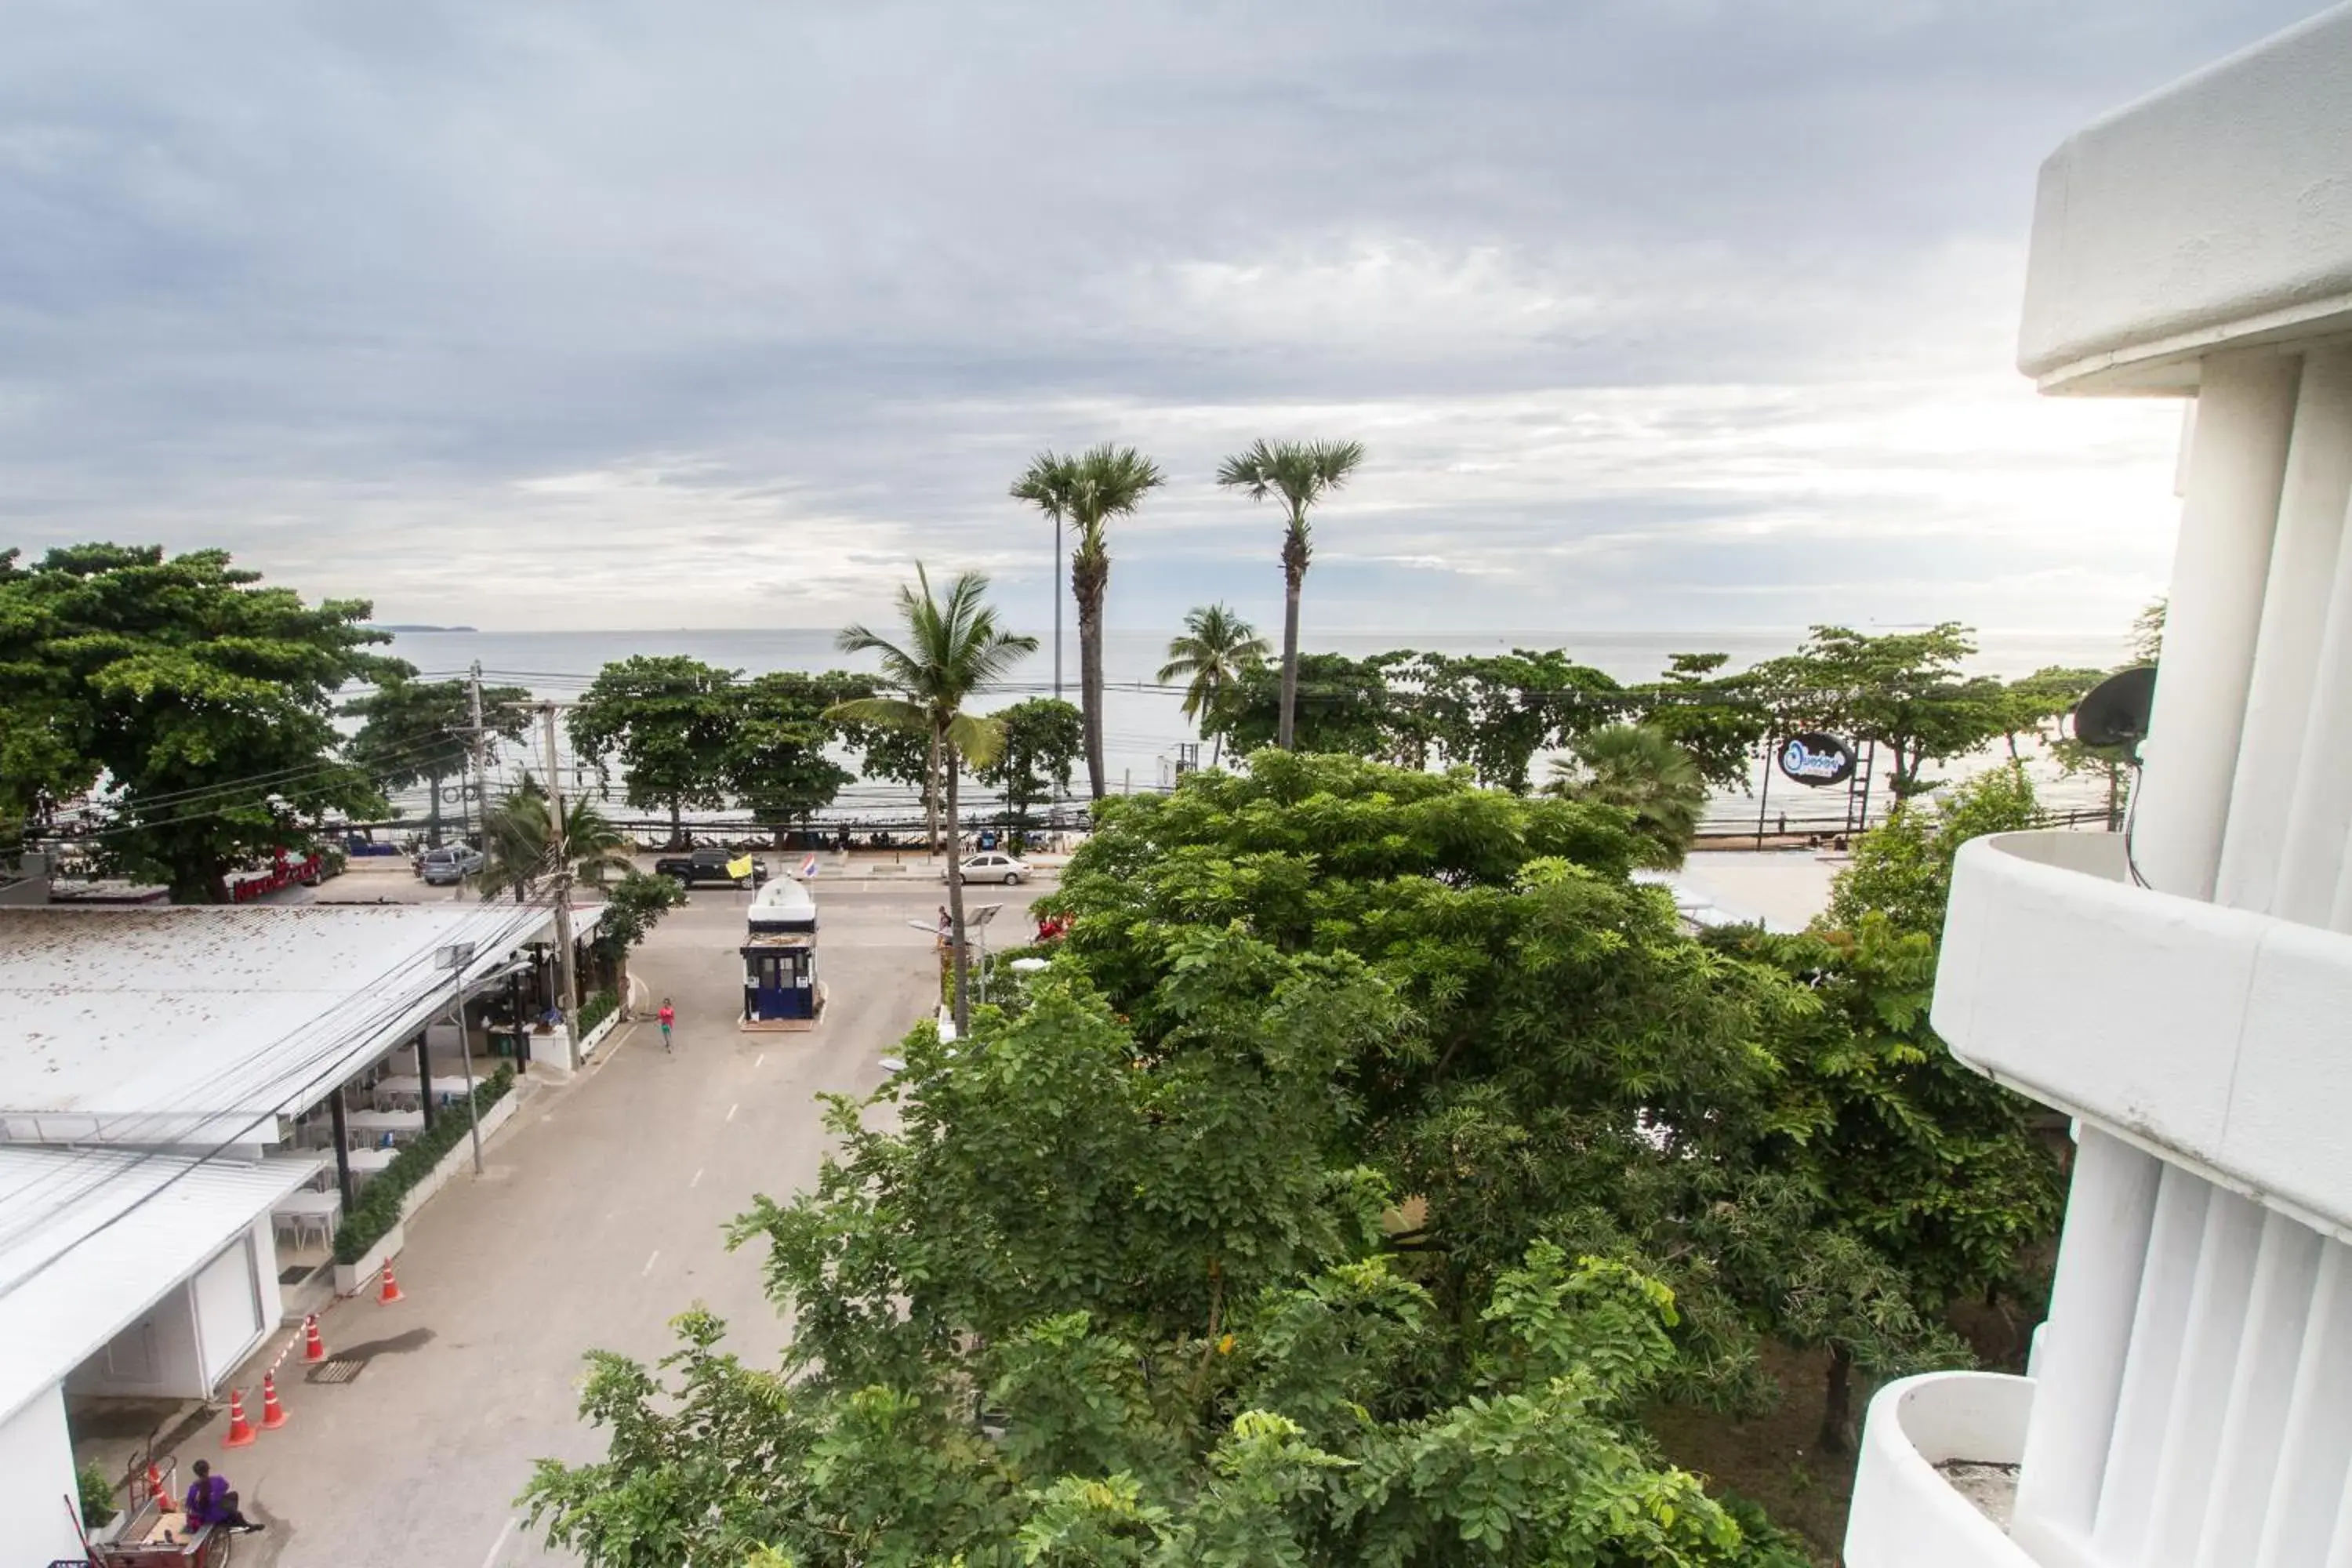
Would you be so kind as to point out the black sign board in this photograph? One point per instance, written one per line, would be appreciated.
(1816, 760)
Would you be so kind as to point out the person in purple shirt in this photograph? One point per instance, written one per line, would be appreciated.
(210, 1502)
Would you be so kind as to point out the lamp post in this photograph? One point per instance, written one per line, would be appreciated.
(453, 958)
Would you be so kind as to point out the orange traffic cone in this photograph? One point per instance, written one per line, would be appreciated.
(164, 1502)
(391, 1288)
(240, 1430)
(313, 1347)
(273, 1415)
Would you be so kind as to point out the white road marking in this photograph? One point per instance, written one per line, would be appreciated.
(759, 1059)
(500, 1543)
(733, 1109)
(648, 1269)
(697, 1179)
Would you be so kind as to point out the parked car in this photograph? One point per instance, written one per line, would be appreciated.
(450, 864)
(993, 867)
(709, 865)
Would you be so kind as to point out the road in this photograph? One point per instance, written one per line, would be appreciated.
(599, 1218)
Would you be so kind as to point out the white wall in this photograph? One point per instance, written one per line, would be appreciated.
(229, 1320)
(155, 1357)
(35, 1477)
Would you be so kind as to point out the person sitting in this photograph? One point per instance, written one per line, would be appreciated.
(210, 1502)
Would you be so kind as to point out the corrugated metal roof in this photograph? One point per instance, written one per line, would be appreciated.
(203, 1026)
(90, 1240)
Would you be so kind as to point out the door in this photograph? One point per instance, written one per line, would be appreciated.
(770, 985)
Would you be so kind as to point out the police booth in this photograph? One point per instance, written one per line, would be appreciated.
(781, 987)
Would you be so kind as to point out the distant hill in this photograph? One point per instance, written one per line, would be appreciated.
(389, 626)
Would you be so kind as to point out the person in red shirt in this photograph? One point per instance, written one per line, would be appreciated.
(669, 1016)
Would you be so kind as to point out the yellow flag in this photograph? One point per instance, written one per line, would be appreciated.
(739, 868)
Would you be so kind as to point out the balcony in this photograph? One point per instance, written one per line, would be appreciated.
(2211, 1037)
(1938, 1462)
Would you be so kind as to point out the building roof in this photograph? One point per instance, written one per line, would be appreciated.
(91, 1238)
(205, 1025)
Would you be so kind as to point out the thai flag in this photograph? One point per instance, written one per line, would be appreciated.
(808, 866)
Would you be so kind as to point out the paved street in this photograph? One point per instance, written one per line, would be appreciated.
(599, 1218)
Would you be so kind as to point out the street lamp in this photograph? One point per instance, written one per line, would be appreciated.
(453, 958)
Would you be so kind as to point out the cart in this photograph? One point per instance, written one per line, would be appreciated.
(154, 1537)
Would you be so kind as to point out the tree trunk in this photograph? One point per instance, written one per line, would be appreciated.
(931, 799)
(1837, 1405)
(433, 813)
(957, 956)
(1286, 727)
(1088, 578)
(677, 822)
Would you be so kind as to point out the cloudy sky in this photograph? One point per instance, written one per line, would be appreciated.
(1652, 313)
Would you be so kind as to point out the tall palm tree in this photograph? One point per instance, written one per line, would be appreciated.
(1217, 647)
(1298, 474)
(1643, 771)
(951, 646)
(1088, 491)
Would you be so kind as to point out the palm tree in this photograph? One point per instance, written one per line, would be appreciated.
(518, 854)
(1217, 647)
(1088, 491)
(1300, 474)
(1643, 771)
(951, 647)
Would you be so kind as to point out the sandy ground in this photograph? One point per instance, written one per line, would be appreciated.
(599, 1218)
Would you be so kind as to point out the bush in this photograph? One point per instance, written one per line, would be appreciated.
(595, 1010)
(378, 1210)
(97, 1509)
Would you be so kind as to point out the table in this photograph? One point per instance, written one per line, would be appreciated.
(405, 1092)
(368, 1124)
(371, 1162)
(303, 1212)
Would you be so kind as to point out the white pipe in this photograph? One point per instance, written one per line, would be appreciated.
(2246, 408)
(2295, 617)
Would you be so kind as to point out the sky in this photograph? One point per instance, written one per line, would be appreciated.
(1651, 314)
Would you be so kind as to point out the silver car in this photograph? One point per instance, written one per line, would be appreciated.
(448, 865)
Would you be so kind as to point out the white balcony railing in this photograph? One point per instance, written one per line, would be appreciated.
(1939, 1459)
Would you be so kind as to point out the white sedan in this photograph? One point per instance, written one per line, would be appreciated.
(993, 867)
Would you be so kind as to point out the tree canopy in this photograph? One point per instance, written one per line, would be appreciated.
(670, 721)
(1043, 739)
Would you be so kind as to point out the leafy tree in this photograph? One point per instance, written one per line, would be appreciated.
(1903, 868)
(519, 852)
(1300, 475)
(1720, 720)
(670, 721)
(1496, 712)
(1903, 690)
(776, 764)
(421, 731)
(203, 699)
(950, 647)
(1043, 739)
(633, 906)
(1088, 491)
(1637, 770)
(1216, 647)
(1341, 705)
(900, 755)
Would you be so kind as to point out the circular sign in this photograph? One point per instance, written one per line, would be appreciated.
(1816, 760)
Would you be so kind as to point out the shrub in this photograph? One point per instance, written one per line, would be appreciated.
(378, 1210)
(96, 1490)
(595, 1010)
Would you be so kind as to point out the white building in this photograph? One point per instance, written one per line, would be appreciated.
(2186, 994)
(153, 1064)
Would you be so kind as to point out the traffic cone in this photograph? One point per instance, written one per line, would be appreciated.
(240, 1430)
(164, 1502)
(313, 1347)
(391, 1288)
(273, 1415)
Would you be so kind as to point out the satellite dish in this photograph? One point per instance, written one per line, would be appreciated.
(2114, 711)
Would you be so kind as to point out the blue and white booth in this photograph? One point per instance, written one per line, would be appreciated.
(781, 988)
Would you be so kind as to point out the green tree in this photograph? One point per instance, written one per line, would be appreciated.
(422, 732)
(1903, 868)
(203, 699)
(1300, 475)
(1342, 705)
(669, 721)
(1088, 491)
(777, 764)
(1495, 712)
(1903, 690)
(633, 906)
(520, 851)
(1043, 738)
(950, 648)
(1216, 647)
(1635, 769)
(1720, 720)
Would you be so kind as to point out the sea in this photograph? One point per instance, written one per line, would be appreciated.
(1145, 731)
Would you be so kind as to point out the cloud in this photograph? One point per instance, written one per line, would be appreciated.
(599, 315)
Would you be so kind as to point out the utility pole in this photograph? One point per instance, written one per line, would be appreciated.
(571, 999)
(475, 788)
(453, 958)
